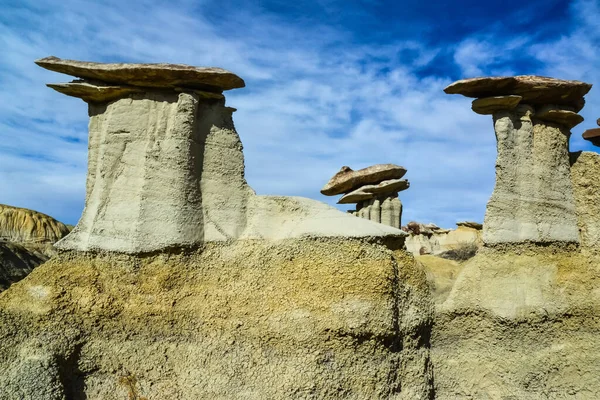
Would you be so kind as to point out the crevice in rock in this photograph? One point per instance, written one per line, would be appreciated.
(71, 377)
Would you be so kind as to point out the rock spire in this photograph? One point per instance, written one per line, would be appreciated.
(374, 190)
(533, 197)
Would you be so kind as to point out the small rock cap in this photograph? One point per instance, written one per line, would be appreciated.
(592, 135)
(347, 179)
(367, 192)
(533, 89)
(147, 75)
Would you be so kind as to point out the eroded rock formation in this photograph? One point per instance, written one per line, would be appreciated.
(166, 167)
(271, 297)
(374, 190)
(21, 225)
(533, 197)
(520, 319)
(585, 175)
(198, 288)
(17, 261)
(430, 239)
(26, 239)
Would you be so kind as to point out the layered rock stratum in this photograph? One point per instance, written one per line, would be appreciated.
(307, 318)
(17, 261)
(26, 239)
(21, 225)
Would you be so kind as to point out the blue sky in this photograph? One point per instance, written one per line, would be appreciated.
(328, 83)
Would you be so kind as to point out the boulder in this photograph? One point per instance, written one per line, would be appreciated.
(347, 179)
(558, 115)
(147, 75)
(532, 89)
(413, 227)
(490, 105)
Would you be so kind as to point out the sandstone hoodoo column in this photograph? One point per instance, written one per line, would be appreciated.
(533, 197)
(164, 157)
(374, 190)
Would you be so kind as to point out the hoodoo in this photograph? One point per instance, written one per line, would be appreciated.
(374, 190)
(166, 168)
(533, 198)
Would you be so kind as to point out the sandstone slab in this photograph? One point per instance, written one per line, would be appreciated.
(388, 186)
(367, 192)
(558, 115)
(470, 224)
(147, 75)
(592, 135)
(490, 105)
(533, 89)
(94, 93)
(102, 93)
(356, 196)
(347, 179)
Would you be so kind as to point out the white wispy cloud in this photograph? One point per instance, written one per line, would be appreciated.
(315, 100)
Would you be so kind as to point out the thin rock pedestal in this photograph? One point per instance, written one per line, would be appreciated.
(533, 197)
